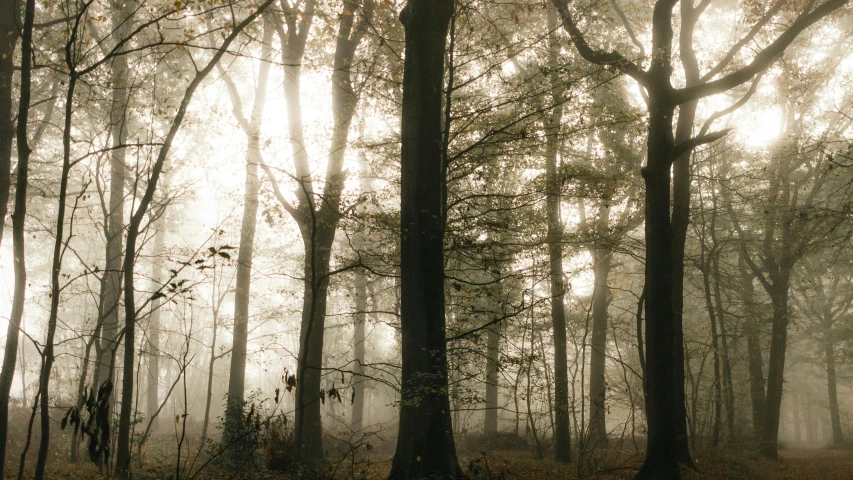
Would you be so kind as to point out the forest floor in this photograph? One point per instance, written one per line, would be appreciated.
(736, 464)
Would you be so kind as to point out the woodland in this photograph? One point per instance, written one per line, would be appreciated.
(426, 239)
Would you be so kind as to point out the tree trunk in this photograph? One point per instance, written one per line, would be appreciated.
(728, 388)
(308, 430)
(114, 225)
(19, 217)
(56, 270)
(664, 384)
(752, 330)
(425, 444)
(597, 385)
(153, 394)
(776, 369)
(245, 252)
(562, 432)
(8, 42)
(356, 424)
(490, 424)
(834, 415)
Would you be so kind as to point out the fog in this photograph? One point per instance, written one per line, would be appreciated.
(409, 239)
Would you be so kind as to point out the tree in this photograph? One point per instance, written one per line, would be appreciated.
(664, 358)
(252, 129)
(425, 445)
(9, 36)
(317, 214)
(19, 217)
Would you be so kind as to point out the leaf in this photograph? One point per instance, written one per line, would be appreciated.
(225, 255)
(177, 419)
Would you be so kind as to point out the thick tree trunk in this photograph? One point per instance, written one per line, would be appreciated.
(19, 217)
(776, 368)
(664, 385)
(597, 385)
(834, 414)
(425, 444)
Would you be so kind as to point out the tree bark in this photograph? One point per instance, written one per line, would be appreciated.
(19, 217)
(152, 400)
(425, 444)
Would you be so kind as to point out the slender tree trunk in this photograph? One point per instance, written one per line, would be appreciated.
(715, 347)
(245, 252)
(56, 270)
(9, 35)
(597, 385)
(752, 331)
(114, 225)
(356, 424)
(490, 426)
(425, 444)
(19, 217)
(318, 222)
(308, 430)
(153, 393)
(562, 431)
(124, 426)
(834, 415)
(795, 401)
(728, 389)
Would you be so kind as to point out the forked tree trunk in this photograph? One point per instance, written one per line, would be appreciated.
(425, 444)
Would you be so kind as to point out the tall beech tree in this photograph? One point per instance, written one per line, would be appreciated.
(664, 378)
(425, 444)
